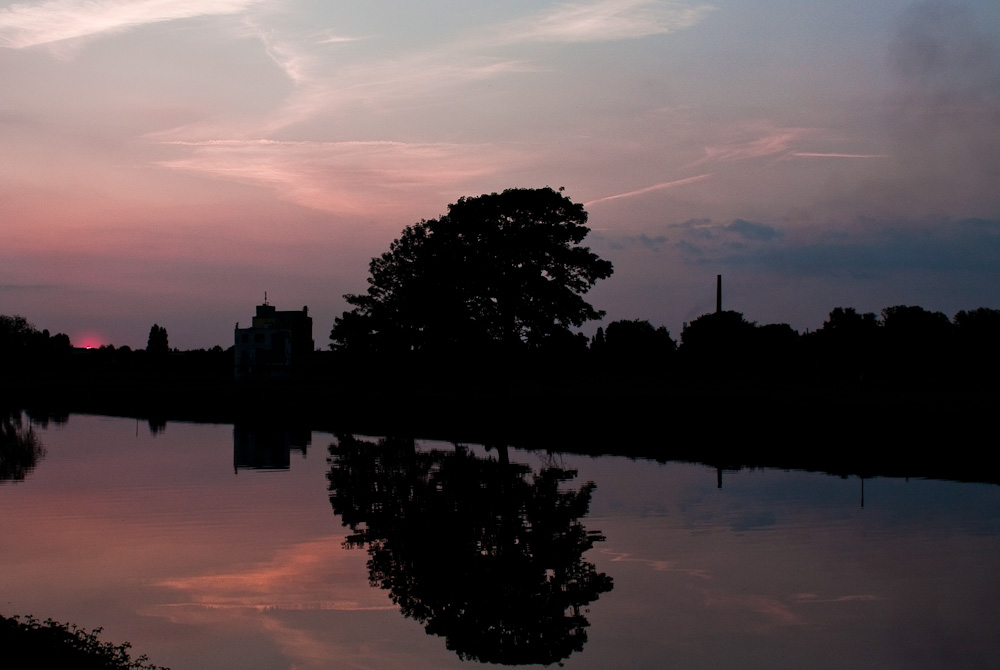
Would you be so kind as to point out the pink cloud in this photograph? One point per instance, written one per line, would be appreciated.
(774, 142)
(359, 178)
(25, 25)
(606, 20)
(806, 154)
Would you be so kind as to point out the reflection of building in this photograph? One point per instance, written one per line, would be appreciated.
(267, 447)
(277, 344)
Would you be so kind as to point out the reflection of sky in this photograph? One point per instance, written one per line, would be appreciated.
(160, 542)
(153, 148)
(791, 557)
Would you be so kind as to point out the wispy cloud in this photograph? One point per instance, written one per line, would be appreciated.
(421, 74)
(605, 20)
(302, 55)
(346, 177)
(25, 287)
(750, 230)
(25, 25)
(776, 141)
(808, 154)
(385, 84)
(860, 597)
(648, 189)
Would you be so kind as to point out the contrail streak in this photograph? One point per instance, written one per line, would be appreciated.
(654, 187)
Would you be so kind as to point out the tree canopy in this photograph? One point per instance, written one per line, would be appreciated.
(30, 643)
(499, 270)
(158, 342)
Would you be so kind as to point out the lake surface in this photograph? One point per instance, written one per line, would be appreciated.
(213, 547)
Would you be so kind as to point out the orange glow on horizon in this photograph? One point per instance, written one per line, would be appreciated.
(88, 341)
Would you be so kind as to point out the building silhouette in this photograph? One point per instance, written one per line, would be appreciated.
(278, 344)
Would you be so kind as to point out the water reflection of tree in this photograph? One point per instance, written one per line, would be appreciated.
(20, 448)
(485, 553)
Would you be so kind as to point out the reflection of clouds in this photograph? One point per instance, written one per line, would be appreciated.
(658, 565)
(717, 592)
(306, 648)
(300, 647)
(780, 611)
(256, 597)
(772, 610)
(291, 581)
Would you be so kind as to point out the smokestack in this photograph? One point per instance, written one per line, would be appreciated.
(718, 294)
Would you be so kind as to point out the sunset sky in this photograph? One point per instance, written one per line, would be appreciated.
(170, 161)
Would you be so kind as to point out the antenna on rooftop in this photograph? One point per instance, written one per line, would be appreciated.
(265, 297)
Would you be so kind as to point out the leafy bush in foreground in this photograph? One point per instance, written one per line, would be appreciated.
(30, 643)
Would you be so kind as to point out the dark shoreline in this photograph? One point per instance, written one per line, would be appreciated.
(845, 431)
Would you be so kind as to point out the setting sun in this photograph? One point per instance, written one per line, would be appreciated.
(88, 341)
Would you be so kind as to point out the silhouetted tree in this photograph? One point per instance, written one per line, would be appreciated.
(638, 336)
(847, 323)
(157, 343)
(598, 341)
(23, 347)
(499, 271)
(775, 351)
(847, 347)
(717, 345)
(979, 325)
(910, 321)
(718, 330)
(16, 332)
(977, 345)
(483, 552)
(30, 643)
(633, 348)
(918, 344)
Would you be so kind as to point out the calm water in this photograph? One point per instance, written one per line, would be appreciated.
(181, 543)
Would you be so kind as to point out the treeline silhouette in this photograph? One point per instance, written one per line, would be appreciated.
(731, 393)
(29, 353)
(903, 346)
(24, 348)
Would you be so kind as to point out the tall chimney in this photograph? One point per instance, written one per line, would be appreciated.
(718, 294)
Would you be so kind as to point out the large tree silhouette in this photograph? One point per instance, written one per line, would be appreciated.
(483, 552)
(158, 342)
(497, 271)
